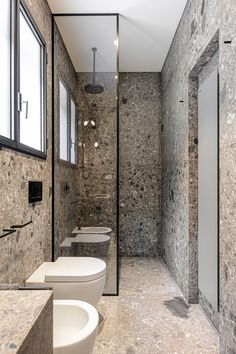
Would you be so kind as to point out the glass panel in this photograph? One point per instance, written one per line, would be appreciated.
(86, 196)
(73, 132)
(30, 86)
(5, 68)
(63, 122)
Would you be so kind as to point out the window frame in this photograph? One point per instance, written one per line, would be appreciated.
(19, 7)
(70, 98)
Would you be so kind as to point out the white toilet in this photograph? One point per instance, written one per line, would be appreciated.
(72, 278)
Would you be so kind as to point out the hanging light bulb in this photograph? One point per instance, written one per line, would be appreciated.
(92, 123)
(85, 123)
(96, 144)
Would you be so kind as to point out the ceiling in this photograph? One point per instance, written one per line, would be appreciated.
(147, 28)
(81, 34)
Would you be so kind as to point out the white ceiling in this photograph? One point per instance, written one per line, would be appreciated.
(81, 34)
(147, 28)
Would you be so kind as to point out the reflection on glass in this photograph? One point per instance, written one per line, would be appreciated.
(73, 131)
(63, 122)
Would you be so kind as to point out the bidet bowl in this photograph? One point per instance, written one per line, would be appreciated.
(91, 245)
(92, 230)
(74, 327)
(96, 230)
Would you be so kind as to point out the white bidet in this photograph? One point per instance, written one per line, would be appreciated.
(74, 327)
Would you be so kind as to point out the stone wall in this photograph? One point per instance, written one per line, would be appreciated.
(22, 252)
(100, 163)
(199, 25)
(140, 163)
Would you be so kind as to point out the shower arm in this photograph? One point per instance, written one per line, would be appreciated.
(94, 53)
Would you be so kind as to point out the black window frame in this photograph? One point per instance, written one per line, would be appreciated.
(19, 7)
(70, 98)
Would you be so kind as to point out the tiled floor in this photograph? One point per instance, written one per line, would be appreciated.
(150, 316)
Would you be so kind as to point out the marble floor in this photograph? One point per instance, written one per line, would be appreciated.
(151, 317)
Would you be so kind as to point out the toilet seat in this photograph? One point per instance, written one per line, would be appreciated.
(75, 269)
(72, 278)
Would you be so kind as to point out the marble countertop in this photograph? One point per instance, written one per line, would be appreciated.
(19, 310)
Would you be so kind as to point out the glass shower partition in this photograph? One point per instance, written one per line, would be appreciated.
(86, 139)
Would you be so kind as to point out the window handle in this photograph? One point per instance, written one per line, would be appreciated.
(72, 143)
(20, 104)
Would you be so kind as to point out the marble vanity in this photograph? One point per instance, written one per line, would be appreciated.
(26, 321)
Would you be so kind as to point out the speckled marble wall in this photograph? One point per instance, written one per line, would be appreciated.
(22, 252)
(200, 23)
(140, 163)
(99, 168)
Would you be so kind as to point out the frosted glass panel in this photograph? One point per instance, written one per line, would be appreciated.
(30, 87)
(208, 188)
(5, 67)
(63, 122)
(73, 134)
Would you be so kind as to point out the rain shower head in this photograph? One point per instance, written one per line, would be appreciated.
(94, 88)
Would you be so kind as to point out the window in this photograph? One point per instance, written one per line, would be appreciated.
(68, 134)
(23, 126)
(63, 122)
(5, 68)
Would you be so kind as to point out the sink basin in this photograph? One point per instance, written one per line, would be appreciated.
(74, 327)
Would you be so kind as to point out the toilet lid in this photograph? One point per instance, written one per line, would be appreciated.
(75, 269)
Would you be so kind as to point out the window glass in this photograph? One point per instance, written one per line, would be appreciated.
(31, 115)
(5, 68)
(63, 122)
(73, 133)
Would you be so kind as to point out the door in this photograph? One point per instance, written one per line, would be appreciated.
(208, 188)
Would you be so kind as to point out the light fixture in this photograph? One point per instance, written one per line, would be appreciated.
(92, 123)
(85, 123)
(96, 144)
(116, 77)
(116, 42)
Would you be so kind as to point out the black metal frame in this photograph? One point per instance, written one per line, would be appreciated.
(18, 7)
(118, 132)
